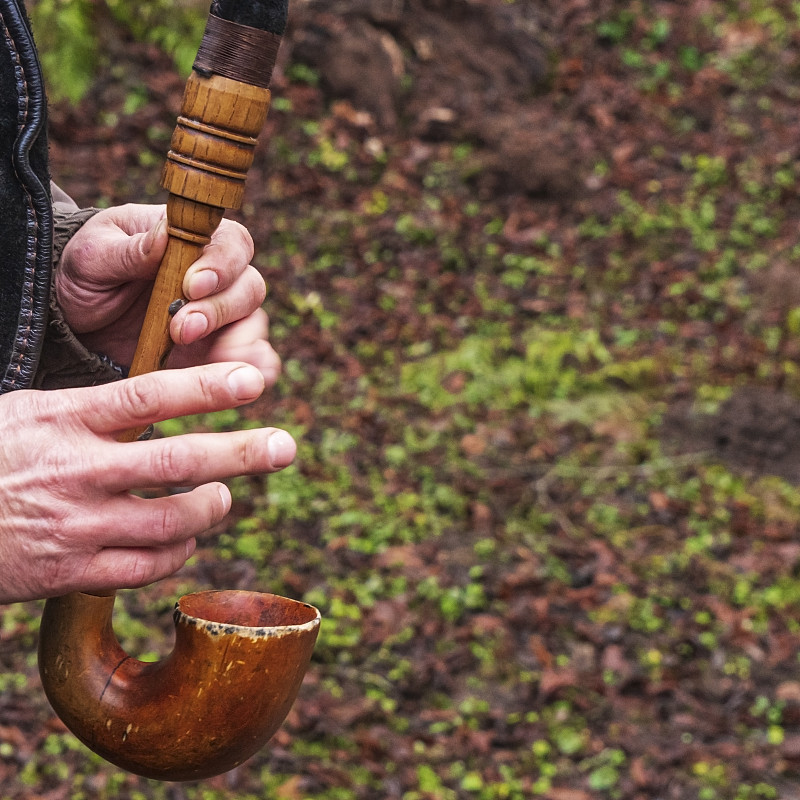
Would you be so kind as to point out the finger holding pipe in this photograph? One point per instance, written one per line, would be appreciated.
(110, 568)
(204, 316)
(227, 255)
(130, 521)
(244, 340)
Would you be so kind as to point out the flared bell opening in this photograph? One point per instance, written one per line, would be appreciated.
(254, 614)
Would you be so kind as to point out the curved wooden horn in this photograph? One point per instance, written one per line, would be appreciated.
(237, 665)
(239, 657)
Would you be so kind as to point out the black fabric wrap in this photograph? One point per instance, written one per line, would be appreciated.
(26, 221)
(266, 15)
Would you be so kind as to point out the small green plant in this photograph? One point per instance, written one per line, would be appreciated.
(73, 52)
(68, 46)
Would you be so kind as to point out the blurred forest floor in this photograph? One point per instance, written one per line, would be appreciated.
(533, 271)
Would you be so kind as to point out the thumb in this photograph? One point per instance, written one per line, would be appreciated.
(143, 251)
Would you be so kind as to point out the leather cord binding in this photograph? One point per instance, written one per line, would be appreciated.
(238, 52)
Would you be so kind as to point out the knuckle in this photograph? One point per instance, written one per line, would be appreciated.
(244, 239)
(51, 571)
(57, 576)
(174, 462)
(252, 454)
(233, 244)
(216, 313)
(213, 393)
(264, 316)
(62, 570)
(258, 323)
(258, 287)
(66, 561)
(75, 472)
(168, 526)
(140, 570)
(139, 399)
(263, 354)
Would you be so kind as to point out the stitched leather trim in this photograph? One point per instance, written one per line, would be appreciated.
(38, 258)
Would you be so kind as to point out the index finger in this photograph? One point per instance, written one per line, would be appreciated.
(222, 261)
(156, 396)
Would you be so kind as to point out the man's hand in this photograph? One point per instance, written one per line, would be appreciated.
(69, 521)
(105, 275)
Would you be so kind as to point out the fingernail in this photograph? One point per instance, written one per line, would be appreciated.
(194, 326)
(152, 235)
(203, 283)
(282, 449)
(191, 545)
(246, 383)
(225, 494)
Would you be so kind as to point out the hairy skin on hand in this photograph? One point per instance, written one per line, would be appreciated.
(68, 520)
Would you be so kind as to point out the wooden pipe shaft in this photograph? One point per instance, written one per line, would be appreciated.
(212, 149)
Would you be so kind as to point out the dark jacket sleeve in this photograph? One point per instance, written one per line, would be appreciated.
(26, 219)
(65, 362)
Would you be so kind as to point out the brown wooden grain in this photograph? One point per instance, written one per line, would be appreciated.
(237, 665)
(210, 153)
